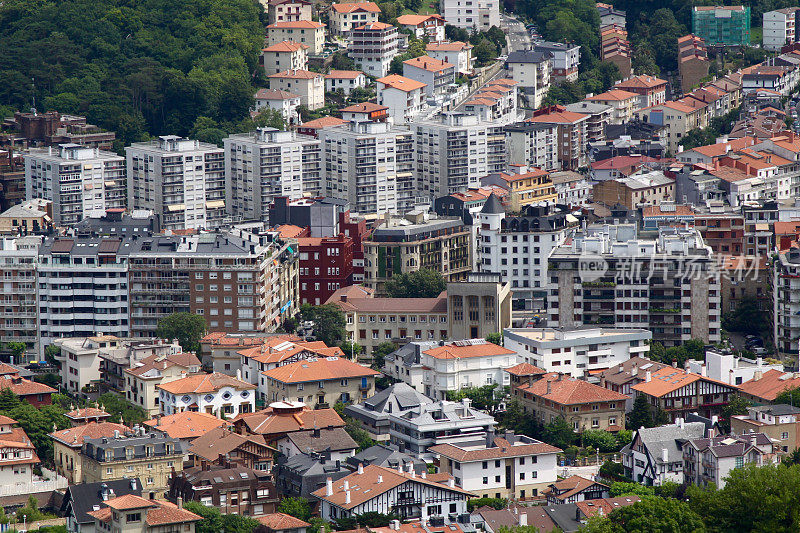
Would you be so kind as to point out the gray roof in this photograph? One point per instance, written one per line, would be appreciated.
(493, 206)
(381, 455)
(322, 440)
(398, 397)
(97, 448)
(528, 56)
(216, 474)
(588, 108)
(84, 497)
(441, 412)
(305, 465)
(670, 437)
(778, 409)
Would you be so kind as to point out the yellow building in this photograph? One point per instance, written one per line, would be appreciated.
(525, 185)
(67, 445)
(141, 380)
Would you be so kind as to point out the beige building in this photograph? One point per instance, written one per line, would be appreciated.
(147, 457)
(309, 86)
(67, 445)
(346, 17)
(133, 514)
(141, 380)
(678, 117)
(623, 103)
(287, 10)
(285, 55)
(479, 306)
(307, 32)
(33, 216)
(778, 422)
(321, 382)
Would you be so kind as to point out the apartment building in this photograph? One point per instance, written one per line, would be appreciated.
(348, 16)
(182, 181)
(287, 10)
(780, 28)
(437, 75)
(651, 90)
(785, 289)
(712, 459)
(430, 26)
(496, 101)
(638, 190)
(405, 98)
(454, 150)
(266, 163)
(666, 285)
(416, 241)
(18, 303)
(579, 352)
(67, 445)
(693, 63)
(571, 137)
(534, 144)
(80, 181)
(372, 46)
(345, 81)
(678, 117)
(532, 70)
(566, 59)
(722, 25)
(283, 102)
(309, 86)
(622, 103)
(307, 32)
(371, 165)
(654, 456)
(456, 52)
(502, 466)
(285, 55)
(600, 116)
(144, 377)
(473, 15)
(615, 47)
(525, 186)
(230, 487)
(326, 265)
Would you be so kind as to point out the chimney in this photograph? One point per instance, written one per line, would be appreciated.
(451, 483)
(423, 475)
(523, 519)
(329, 487)
(710, 433)
(380, 478)
(757, 375)
(360, 468)
(158, 420)
(600, 511)
(394, 525)
(347, 496)
(714, 419)
(239, 374)
(346, 485)
(179, 502)
(704, 371)
(686, 371)
(665, 455)
(549, 386)
(647, 376)
(679, 422)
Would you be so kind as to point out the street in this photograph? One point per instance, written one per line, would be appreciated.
(518, 36)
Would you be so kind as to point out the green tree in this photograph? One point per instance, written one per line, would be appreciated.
(747, 318)
(351, 349)
(329, 322)
(296, 507)
(121, 410)
(482, 397)
(651, 515)
(495, 503)
(187, 328)
(375, 519)
(380, 352)
(495, 338)
(49, 379)
(598, 438)
(737, 406)
(612, 471)
(640, 416)
(485, 52)
(9, 400)
(211, 517)
(17, 350)
(559, 433)
(30, 511)
(423, 283)
(621, 488)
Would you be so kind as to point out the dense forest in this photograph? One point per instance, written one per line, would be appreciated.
(135, 67)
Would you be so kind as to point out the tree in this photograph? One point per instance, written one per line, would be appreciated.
(559, 433)
(650, 515)
(612, 471)
(187, 328)
(621, 488)
(737, 406)
(8, 400)
(17, 350)
(494, 503)
(372, 519)
(329, 322)
(49, 379)
(788, 396)
(597, 438)
(482, 397)
(351, 349)
(640, 415)
(30, 511)
(380, 352)
(485, 52)
(296, 507)
(747, 318)
(423, 283)
(121, 410)
(495, 338)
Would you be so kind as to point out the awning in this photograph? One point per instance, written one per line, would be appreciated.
(176, 207)
(571, 218)
(215, 204)
(110, 183)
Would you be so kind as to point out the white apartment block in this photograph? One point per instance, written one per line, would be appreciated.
(266, 163)
(182, 181)
(473, 15)
(437, 75)
(283, 102)
(80, 181)
(404, 97)
(455, 150)
(531, 69)
(372, 47)
(309, 86)
(533, 144)
(456, 53)
(566, 59)
(780, 28)
(577, 351)
(307, 32)
(370, 164)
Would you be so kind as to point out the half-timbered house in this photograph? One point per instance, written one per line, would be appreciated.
(679, 392)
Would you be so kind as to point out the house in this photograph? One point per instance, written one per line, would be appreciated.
(654, 456)
(79, 358)
(35, 393)
(621, 377)
(365, 112)
(285, 55)
(68, 443)
(623, 103)
(219, 350)
(346, 17)
(287, 10)
(765, 387)
(301, 474)
(231, 488)
(374, 488)
(310, 86)
(503, 466)
(307, 32)
(638, 190)
(437, 75)
(430, 26)
(283, 523)
(281, 418)
(82, 416)
(566, 59)
(493, 520)
(711, 459)
(141, 380)
(386, 457)
(346, 80)
(334, 443)
(678, 117)
(573, 517)
(373, 413)
(283, 102)
(185, 426)
(31, 216)
(17, 457)
(215, 394)
(575, 489)
(404, 97)
(456, 53)
(81, 498)
(525, 185)
(250, 451)
(134, 514)
(532, 70)
(150, 458)
(679, 392)
(582, 404)
(651, 90)
(778, 422)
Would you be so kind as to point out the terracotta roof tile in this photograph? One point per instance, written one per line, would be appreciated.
(74, 437)
(478, 349)
(221, 440)
(364, 107)
(668, 379)
(24, 387)
(286, 46)
(343, 74)
(268, 422)
(186, 425)
(428, 63)
(770, 385)
(169, 513)
(643, 81)
(573, 485)
(301, 24)
(525, 369)
(162, 362)
(323, 122)
(280, 521)
(296, 74)
(402, 83)
(501, 450)
(202, 383)
(370, 7)
(570, 391)
(322, 369)
(613, 94)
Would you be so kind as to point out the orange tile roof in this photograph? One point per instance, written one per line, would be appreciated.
(525, 369)
(502, 448)
(614, 94)
(74, 437)
(323, 122)
(417, 527)
(559, 117)
(130, 501)
(657, 211)
(679, 106)
(296, 74)
(454, 46)
(770, 385)
(24, 387)
(643, 81)
(87, 412)
(285, 46)
(280, 521)
(375, 26)
(202, 383)
(185, 425)
(321, 369)
(416, 20)
(573, 485)
(428, 63)
(158, 513)
(162, 362)
(298, 24)
(370, 7)
(395, 81)
(567, 390)
(220, 338)
(452, 351)
(669, 379)
(719, 149)
(268, 422)
(289, 231)
(8, 369)
(736, 262)
(590, 508)
(277, 352)
(343, 74)
(364, 107)
(222, 440)
(169, 513)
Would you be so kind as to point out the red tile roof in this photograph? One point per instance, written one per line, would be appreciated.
(668, 379)
(300, 24)
(296, 74)
(478, 349)
(501, 449)
(202, 383)
(525, 369)
(269, 422)
(428, 63)
(185, 425)
(567, 390)
(343, 74)
(364, 107)
(369, 7)
(285, 46)
(322, 369)
(323, 122)
(279, 521)
(454, 46)
(770, 385)
(24, 387)
(74, 437)
(613, 94)
(402, 83)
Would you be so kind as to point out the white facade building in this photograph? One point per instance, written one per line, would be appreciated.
(654, 456)
(182, 181)
(309, 86)
(283, 102)
(80, 181)
(437, 75)
(285, 55)
(373, 46)
(346, 80)
(404, 97)
(456, 53)
(266, 163)
(579, 351)
(730, 369)
(780, 28)
(80, 360)
(472, 15)
(566, 59)
(532, 71)
(216, 394)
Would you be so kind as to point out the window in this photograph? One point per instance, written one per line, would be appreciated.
(739, 462)
(133, 517)
(485, 465)
(522, 476)
(784, 435)
(485, 480)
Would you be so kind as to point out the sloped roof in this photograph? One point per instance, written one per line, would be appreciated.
(186, 425)
(415, 20)
(613, 94)
(369, 7)
(280, 521)
(525, 369)
(299, 24)
(476, 348)
(444, 46)
(323, 122)
(74, 437)
(202, 383)
(573, 485)
(344, 74)
(275, 94)
(221, 440)
(667, 437)
(268, 422)
(428, 63)
(322, 369)
(567, 390)
(286, 46)
(668, 379)
(502, 448)
(297, 74)
(771, 384)
(493, 206)
(395, 81)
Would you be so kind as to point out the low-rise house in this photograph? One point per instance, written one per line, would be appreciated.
(134, 514)
(82, 416)
(220, 350)
(322, 382)
(35, 393)
(575, 489)
(334, 443)
(374, 412)
(68, 443)
(502, 466)
(651, 90)
(573, 517)
(652, 188)
(346, 80)
(430, 26)
(283, 523)
(778, 422)
(386, 457)
(404, 97)
(437, 75)
(582, 404)
(493, 520)
(281, 418)
(216, 394)
(374, 488)
(456, 53)
(347, 16)
(307, 32)
(283, 102)
(285, 55)
(141, 380)
(81, 498)
(765, 387)
(233, 489)
(365, 112)
(220, 443)
(654, 455)
(710, 460)
(621, 377)
(31, 216)
(309, 86)
(17, 456)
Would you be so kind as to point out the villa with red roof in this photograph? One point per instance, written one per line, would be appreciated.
(348, 16)
(431, 26)
(216, 394)
(67, 444)
(404, 97)
(134, 514)
(309, 86)
(346, 80)
(436, 74)
(679, 393)
(651, 90)
(285, 55)
(456, 53)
